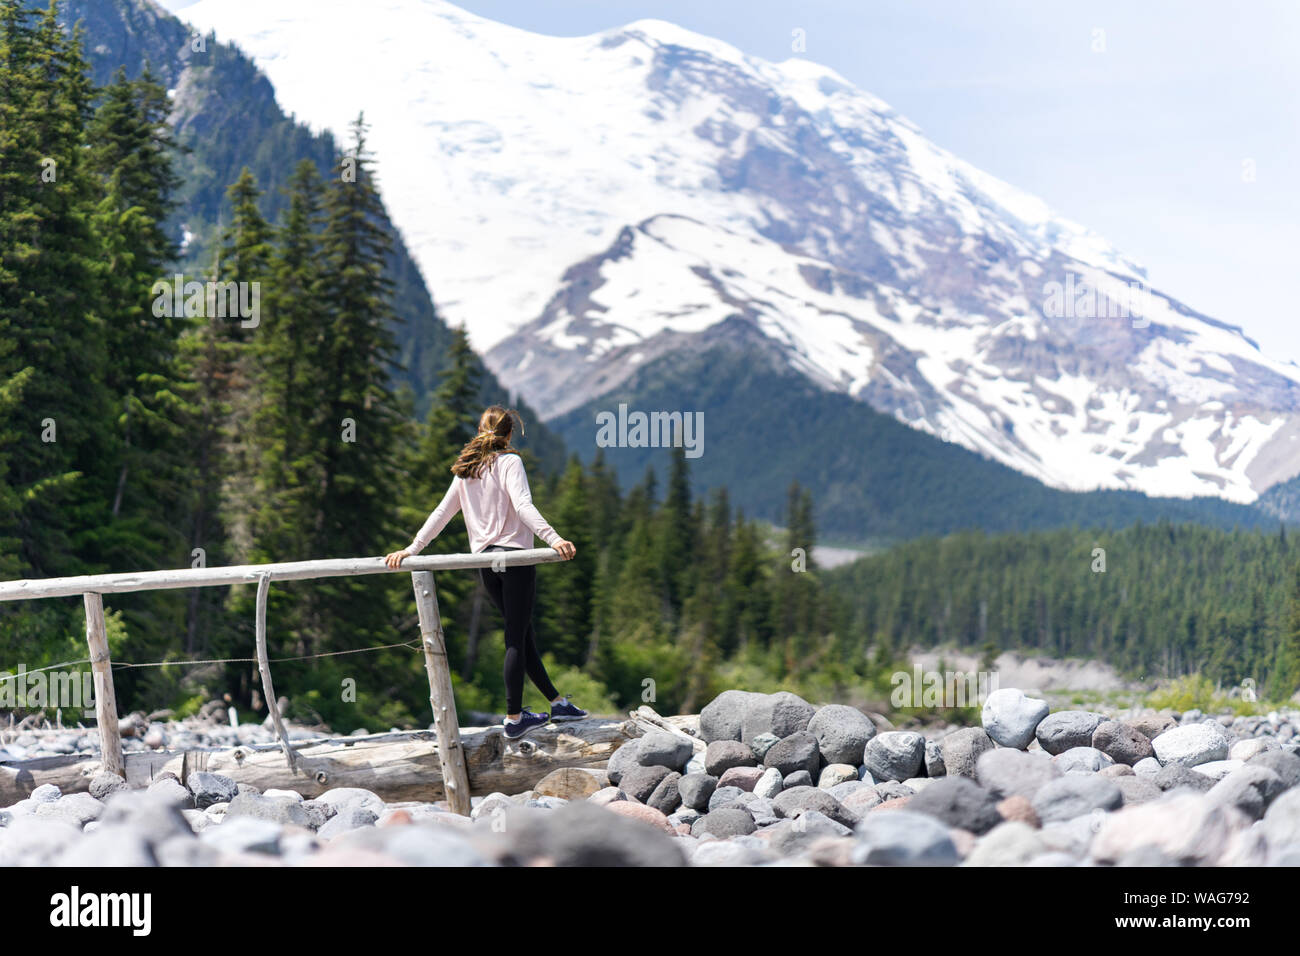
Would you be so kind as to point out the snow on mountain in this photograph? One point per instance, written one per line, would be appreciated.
(585, 205)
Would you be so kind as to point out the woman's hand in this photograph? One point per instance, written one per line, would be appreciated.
(395, 559)
(566, 549)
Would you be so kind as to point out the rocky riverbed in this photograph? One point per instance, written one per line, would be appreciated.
(755, 779)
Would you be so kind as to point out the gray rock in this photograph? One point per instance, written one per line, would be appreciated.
(723, 717)
(169, 788)
(1177, 775)
(792, 804)
(622, 760)
(695, 789)
(1249, 788)
(1152, 726)
(30, 840)
(1185, 827)
(1074, 796)
(1192, 744)
(339, 797)
(46, 793)
(110, 846)
(958, 802)
(660, 748)
(834, 774)
(761, 744)
(423, 844)
(639, 782)
(350, 817)
(934, 765)
(103, 784)
(1081, 760)
(894, 755)
(722, 755)
(770, 784)
(1065, 729)
(684, 815)
(1245, 749)
(1147, 768)
(1122, 743)
(781, 714)
(794, 753)
(152, 814)
(728, 853)
(842, 733)
(1216, 770)
(210, 788)
(903, 838)
(800, 778)
(724, 822)
(666, 797)
(1012, 843)
(1285, 765)
(1006, 773)
(1010, 718)
(317, 813)
(724, 796)
(962, 750)
(892, 790)
(1281, 824)
(273, 809)
(1137, 789)
(244, 834)
(792, 836)
(77, 808)
(860, 800)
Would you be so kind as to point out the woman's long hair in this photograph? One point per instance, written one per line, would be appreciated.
(495, 427)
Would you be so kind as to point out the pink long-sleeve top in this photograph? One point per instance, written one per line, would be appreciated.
(498, 509)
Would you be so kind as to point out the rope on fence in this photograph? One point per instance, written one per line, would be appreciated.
(123, 665)
(40, 670)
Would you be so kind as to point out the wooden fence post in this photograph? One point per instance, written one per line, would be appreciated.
(455, 776)
(264, 667)
(101, 667)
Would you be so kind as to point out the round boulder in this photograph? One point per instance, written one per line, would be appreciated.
(1010, 718)
(894, 755)
(1067, 728)
(842, 733)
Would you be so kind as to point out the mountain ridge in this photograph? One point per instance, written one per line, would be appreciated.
(526, 156)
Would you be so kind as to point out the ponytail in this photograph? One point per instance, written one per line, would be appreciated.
(495, 428)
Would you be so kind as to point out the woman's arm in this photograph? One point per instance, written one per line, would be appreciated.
(515, 480)
(432, 526)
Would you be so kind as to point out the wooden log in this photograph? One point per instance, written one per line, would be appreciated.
(249, 573)
(647, 720)
(264, 668)
(397, 766)
(101, 666)
(442, 699)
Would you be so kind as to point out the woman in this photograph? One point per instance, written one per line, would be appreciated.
(490, 489)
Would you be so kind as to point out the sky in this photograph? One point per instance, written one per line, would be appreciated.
(1170, 127)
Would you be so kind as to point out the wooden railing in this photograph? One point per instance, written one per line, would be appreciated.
(92, 587)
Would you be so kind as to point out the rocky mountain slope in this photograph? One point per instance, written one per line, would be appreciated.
(588, 204)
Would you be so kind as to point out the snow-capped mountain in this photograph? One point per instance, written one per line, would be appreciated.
(587, 205)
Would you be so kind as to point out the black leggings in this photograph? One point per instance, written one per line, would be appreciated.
(514, 592)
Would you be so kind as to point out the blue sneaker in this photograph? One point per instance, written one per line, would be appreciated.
(566, 711)
(527, 721)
